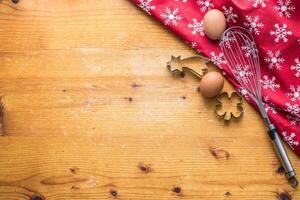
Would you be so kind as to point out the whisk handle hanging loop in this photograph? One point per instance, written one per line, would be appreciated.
(283, 157)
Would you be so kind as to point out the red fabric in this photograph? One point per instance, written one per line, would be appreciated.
(276, 28)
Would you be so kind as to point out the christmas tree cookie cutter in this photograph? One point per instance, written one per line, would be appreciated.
(229, 106)
(196, 65)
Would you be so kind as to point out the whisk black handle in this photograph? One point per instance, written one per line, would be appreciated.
(283, 157)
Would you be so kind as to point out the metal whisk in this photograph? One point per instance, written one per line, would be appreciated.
(241, 54)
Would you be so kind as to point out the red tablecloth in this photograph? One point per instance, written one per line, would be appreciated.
(276, 28)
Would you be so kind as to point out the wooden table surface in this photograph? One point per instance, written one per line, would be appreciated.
(91, 112)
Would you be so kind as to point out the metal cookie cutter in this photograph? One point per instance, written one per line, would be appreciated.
(197, 65)
(234, 111)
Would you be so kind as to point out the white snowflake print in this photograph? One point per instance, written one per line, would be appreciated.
(171, 16)
(294, 93)
(281, 33)
(274, 60)
(294, 120)
(242, 73)
(227, 41)
(184, 1)
(206, 5)
(290, 139)
(253, 24)
(256, 3)
(229, 14)
(194, 45)
(296, 67)
(293, 109)
(244, 92)
(269, 83)
(146, 6)
(217, 59)
(197, 27)
(284, 8)
(298, 40)
(250, 50)
(268, 106)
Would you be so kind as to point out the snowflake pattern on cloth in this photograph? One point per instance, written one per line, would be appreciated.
(290, 139)
(197, 27)
(253, 24)
(294, 93)
(269, 83)
(281, 33)
(269, 106)
(294, 120)
(256, 3)
(244, 92)
(275, 25)
(217, 59)
(229, 14)
(294, 109)
(274, 60)
(284, 8)
(242, 72)
(206, 5)
(227, 41)
(250, 50)
(146, 6)
(171, 17)
(296, 67)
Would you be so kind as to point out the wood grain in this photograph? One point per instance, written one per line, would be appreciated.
(90, 111)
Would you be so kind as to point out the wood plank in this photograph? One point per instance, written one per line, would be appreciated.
(91, 112)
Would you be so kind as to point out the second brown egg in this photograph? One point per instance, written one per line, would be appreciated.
(211, 84)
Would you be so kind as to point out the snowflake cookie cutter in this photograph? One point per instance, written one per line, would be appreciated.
(196, 65)
(231, 110)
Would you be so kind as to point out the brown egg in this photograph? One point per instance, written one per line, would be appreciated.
(214, 24)
(211, 84)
